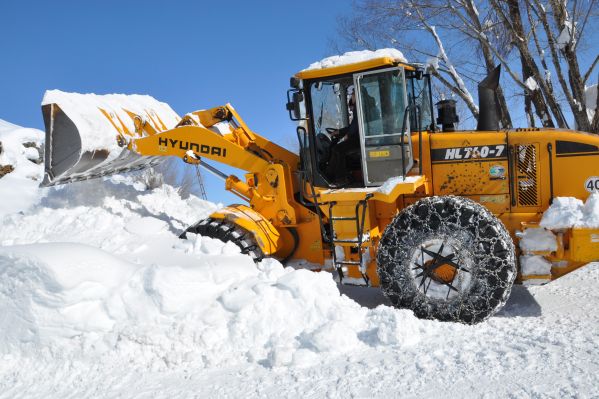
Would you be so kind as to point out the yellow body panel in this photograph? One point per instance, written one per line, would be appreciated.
(204, 142)
(584, 245)
(463, 163)
(572, 169)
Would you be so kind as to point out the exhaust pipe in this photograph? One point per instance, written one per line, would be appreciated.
(488, 112)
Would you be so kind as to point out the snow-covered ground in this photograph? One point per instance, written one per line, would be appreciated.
(99, 298)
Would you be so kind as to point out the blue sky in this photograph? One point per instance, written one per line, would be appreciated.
(190, 54)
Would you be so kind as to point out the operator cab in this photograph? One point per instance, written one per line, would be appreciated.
(393, 101)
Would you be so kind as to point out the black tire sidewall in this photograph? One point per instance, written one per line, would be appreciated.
(482, 238)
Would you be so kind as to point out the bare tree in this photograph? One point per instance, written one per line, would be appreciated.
(465, 39)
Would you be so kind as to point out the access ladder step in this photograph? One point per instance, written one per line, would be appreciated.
(348, 262)
(344, 218)
(347, 242)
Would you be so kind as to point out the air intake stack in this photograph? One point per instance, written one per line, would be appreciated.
(488, 115)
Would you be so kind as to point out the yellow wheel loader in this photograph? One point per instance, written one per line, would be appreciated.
(434, 216)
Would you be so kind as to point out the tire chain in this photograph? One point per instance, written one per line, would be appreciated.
(483, 236)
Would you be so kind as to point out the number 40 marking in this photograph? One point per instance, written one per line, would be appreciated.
(592, 184)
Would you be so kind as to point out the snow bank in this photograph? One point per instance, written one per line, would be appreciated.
(97, 270)
(213, 306)
(567, 212)
(352, 57)
(18, 189)
(135, 291)
(95, 130)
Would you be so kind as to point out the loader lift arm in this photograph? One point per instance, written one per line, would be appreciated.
(269, 166)
(241, 148)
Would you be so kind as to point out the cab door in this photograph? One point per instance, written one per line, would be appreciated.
(384, 130)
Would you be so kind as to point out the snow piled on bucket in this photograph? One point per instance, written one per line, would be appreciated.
(95, 129)
(353, 57)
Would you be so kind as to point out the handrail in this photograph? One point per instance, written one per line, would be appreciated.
(302, 138)
(417, 112)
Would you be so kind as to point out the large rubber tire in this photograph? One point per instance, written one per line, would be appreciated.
(226, 231)
(468, 235)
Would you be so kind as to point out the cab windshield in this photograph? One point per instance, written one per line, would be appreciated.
(329, 104)
(331, 112)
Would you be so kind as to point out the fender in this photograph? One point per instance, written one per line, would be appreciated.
(265, 234)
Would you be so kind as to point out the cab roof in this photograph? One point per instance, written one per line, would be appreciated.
(353, 67)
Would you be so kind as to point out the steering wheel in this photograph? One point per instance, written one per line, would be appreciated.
(323, 147)
(334, 138)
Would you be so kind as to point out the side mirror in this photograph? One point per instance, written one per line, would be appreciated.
(294, 104)
(294, 82)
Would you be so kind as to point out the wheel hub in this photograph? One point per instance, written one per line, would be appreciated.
(439, 270)
(443, 273)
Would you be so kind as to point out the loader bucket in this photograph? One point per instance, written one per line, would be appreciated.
(81, 132)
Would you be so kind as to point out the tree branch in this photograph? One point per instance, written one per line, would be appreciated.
(587, 74)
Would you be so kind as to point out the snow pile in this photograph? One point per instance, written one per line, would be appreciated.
(353, 57)
(136, 291)
(432, 63)
(537, 239)
(95, 129)
(18, 189)
(97, 271)
(590, 212)
(567, 212)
